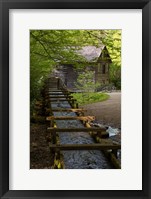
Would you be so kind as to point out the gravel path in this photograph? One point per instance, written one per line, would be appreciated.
(107, 112)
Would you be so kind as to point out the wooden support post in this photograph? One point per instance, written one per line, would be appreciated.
(58, 154)
(51, 123)
(58, 84)
(114, 161)
(72, 103)
(54, 137)
(53, 133)
(114, 151)
(77, 105)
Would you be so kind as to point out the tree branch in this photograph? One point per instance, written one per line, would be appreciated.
(41, 45)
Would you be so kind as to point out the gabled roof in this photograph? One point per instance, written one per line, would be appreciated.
(91, 53)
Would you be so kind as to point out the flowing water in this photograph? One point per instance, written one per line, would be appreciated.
(78, 159)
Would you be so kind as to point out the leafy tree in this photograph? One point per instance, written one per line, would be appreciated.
(86, 84)
(48, 48)
(113, 43)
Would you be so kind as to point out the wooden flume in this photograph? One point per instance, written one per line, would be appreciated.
(59, 93)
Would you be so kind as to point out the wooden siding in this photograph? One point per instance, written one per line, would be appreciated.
(101, 71)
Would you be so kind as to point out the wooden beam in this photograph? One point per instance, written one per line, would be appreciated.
(63, 96)
(95, 129)
(75, 110)
(96, 146)
(62, 100)
(84, 118)
(63, 91)
(58, 94)
(53, 92)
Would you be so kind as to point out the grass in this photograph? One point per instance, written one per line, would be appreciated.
(89, 98)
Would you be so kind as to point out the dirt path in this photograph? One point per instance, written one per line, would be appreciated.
(107, 112)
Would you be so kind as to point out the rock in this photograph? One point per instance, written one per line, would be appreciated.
(112, 131)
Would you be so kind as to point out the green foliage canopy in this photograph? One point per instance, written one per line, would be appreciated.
(48, 48)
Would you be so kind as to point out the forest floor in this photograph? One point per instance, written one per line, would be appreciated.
(107, 112)
(40, 156)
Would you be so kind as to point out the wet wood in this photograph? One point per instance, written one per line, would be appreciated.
(62, 100)
(84, 146)
(115, 162)
(54, 137)
(58, 94)
(54, 92)
(75, 110)
(63, 91)
(95, 129)
(83, 118)
(87, 125)
(63, 96)
(103, 134)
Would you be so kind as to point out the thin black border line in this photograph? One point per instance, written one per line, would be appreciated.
(5, 5)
